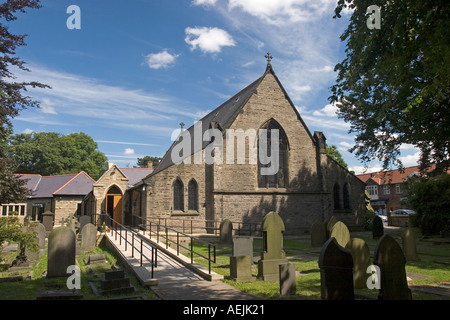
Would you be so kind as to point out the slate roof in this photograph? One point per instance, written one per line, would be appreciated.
(223, 116)
(135, 175)
(49, 186)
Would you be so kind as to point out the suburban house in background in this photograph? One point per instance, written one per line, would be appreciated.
(387, 189)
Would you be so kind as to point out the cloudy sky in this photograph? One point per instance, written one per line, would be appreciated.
(134, 70)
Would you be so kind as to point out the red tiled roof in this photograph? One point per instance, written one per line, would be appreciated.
(391, 176)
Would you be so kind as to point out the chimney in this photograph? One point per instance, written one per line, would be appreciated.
(150, 165)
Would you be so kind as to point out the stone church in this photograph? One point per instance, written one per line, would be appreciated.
(308, 186)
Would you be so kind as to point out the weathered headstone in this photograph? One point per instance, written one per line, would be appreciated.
(318, 234)
(88, 237)
(61, 252)
(273, 254)
(39, 230)
(341, 233)
(241, 269)
(409, 244)
(330, 224)
(47, 221)
(73, 224)
(288, 285)
(115, 282)
(336, 272)
(389, 257)
(226, 231)
(361, 261)
(377, 227)
(84, 220)
(242, 246)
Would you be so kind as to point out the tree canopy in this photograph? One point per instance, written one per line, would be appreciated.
(12, 97)
(393, 85)
(334, 153)
(143, 162)
(50, 153)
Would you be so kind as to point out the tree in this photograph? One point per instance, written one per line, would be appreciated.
(430, 197)
(12, 99)
(393, 86)
(50, 153)
(143, 162)
(334, 153)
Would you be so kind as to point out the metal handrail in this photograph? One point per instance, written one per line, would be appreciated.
(154, 250)
(165, 236)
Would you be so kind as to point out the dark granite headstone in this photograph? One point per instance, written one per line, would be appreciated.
(61, 252)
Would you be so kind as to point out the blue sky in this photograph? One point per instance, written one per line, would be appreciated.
(136, 69)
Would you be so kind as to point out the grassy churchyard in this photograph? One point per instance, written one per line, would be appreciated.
(432, 270)
(34, 281)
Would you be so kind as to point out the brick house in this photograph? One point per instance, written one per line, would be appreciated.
(309, 185)
(387, 188)
(61, 194)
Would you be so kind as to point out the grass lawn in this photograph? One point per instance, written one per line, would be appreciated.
(28, 289)
(298, 250)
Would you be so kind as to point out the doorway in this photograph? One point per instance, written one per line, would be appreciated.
(113, 204)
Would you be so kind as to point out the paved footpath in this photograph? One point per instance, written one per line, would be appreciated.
(175, 281)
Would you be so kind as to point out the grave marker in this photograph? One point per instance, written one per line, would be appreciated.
(226, 231)
(88, 237)
(61, 251)
(389, 257)
(336, 274)
(273, 254)
(361, 261)
(341, 233)
(318, 234)
(409, 237)
(288, 284)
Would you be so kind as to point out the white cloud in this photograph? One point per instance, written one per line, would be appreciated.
(328, 111)
(129, 151)
(161, 59)
(208, 40)
(410, 160)
(27, 131)
(204, 2)
(47, 106)
(282, 12)
(364, 169)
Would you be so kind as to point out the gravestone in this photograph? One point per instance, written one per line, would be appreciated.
(47, 221)
(288, 284)
(242, 246)
(389, 257)
(361, 261)
(241, 269)
(318, 234)
(84, 220)
(377, 227)
(273, 254)
(39, 230)
(73, 223)
(330, 224)
(341, 233)
(409, 237)
(226, 231)
(115, 282)
(88, 237)
(336, 272)
(61, 252)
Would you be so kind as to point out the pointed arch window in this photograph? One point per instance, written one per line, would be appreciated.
(347, 202)
(337, 196)
(193, 195)
(178, 195)
(279, 178)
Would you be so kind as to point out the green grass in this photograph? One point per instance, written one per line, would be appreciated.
(28, 289)
(305, 258)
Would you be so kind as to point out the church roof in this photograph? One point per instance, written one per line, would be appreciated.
(223, 116)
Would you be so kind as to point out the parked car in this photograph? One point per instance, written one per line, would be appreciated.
(383, 217)
(400, 212)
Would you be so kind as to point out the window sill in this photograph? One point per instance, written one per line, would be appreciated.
(190, 213)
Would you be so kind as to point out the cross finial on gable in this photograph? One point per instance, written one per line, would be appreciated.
(182, 125)
(268, 57)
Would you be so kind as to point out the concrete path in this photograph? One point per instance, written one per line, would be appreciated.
(174, 280)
